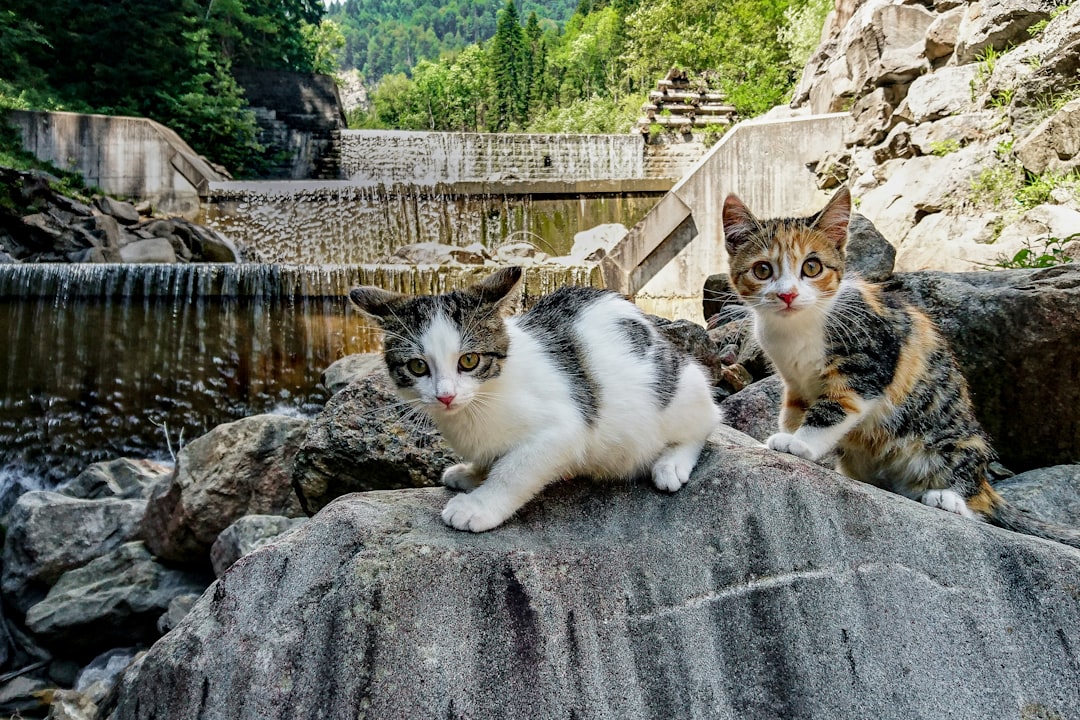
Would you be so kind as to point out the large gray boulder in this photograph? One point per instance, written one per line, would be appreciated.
(49, 534)
(341, 372)
(112, 601)
(755, 410)
(768, 587)
(240, 468)
(1015, 334)
(1052, 493)
(367, 439)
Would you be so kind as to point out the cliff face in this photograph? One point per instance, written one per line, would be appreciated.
(961, 147)
(768, 587)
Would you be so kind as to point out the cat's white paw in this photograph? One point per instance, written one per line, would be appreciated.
(787, 443)
(668, 476)
(462, 476)
(948, 500)
(468, 512)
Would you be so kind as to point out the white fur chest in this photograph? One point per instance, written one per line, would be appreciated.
(796, 347)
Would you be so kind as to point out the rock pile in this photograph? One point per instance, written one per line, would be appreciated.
(964, 119)
(374, 608)
(38, 225)
(103, 566)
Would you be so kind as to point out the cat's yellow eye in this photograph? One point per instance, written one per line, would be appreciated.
(468, 361)
(417, 367)
(762, 270)
(811, 268)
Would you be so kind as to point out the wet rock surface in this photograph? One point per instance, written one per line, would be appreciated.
(618, 601)
(236, 469)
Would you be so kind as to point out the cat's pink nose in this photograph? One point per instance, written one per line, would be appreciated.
(788, 297)
(445, 399)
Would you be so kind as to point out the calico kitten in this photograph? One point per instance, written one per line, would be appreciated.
(864, 373)
(582, 384)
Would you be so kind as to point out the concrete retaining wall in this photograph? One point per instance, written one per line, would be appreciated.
(372, 156)
(125, 156)
(664, 260)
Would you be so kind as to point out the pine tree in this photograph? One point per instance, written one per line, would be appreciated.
(509, 103)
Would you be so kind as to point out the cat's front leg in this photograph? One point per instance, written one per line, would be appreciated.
(513, 480)
(464, 476)
(826, 422)
(672, 469)
(788, 443)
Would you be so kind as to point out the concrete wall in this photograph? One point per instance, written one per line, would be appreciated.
(664, 260)
(373, 156)
(126, 156)
(299, 116)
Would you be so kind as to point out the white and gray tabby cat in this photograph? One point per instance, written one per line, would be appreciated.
(865, 374)
(582, 384)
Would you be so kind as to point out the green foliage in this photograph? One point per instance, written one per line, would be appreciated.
(1001, 99)
(384, 37)
(739, 40)
(1037, 189)
(326, 42)
(535, 77)
(592, 115)
(1008, 186)
(169, 60)
(713, 133)
(801, 33)
(1039, 26)
(997, 186)
(506, 56)
(942, 148)
(1053, 252)
(269, 34)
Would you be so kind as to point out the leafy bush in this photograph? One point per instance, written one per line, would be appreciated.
(1052, 252)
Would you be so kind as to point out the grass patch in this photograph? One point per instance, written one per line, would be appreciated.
(941, 148)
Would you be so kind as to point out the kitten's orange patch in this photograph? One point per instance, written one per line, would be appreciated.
(793, 411)
(913, 357)
(986, 501)
(872, 297)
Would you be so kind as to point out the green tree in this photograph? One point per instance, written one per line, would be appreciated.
(269, 34)
(153, 58)
(326, 42)
(738, 40)
(506, 57)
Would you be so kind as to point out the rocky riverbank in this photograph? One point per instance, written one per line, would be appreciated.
(762, 559)
(961, 144)
(38, 225)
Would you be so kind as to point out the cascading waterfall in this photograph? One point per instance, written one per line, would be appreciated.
(371, 156)
(101, 361)
(343, 222)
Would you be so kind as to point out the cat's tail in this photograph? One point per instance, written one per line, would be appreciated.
(1000, 512)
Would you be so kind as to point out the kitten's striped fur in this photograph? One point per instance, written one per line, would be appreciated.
(864, 373)
(582, 384)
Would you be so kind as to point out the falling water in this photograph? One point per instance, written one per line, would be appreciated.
(101, 361)
(428, 157)
(344, 222)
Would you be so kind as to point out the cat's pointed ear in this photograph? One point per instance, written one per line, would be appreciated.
(833, 220)
(740, 225)
(494, 288)
(374, 301)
